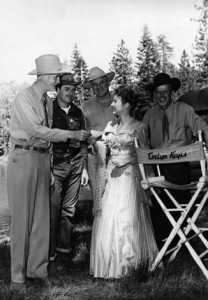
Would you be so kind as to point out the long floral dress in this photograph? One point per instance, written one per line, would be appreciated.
(122, 235)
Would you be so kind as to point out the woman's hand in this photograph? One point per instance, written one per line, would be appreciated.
(116, 161)
(120, 161)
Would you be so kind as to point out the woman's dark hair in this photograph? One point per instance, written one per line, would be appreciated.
(128, 96)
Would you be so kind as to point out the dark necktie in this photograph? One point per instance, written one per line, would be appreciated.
(165, 126)
(44, 99)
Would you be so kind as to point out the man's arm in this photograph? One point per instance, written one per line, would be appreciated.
(84, 144)
(31, 122)
(86, 113)
(196, 123)
(84, 177)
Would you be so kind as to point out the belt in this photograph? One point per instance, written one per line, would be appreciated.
(63, 153)
(66, 157)
(38, 149)
(71, 151)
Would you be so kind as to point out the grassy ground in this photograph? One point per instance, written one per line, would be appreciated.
(181, 279)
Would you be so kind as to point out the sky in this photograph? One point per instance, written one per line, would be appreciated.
(30, 28)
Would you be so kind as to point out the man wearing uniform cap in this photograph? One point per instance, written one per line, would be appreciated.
(28, 175)
(69, 170)
(171, 124)
(98, 113)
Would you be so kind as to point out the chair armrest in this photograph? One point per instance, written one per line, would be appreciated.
(145, 183)
(157, 178)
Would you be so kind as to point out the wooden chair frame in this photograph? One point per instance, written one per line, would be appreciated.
(193, 152)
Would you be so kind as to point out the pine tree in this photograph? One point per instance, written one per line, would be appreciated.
(165, 53)
(80, 69)
(201, 45)
(121, 64)
(186, 73)
(8, 91)
(146, 66)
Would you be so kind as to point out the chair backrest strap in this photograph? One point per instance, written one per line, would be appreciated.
(192, 152)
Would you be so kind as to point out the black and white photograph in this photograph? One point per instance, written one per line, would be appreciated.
(104, 149)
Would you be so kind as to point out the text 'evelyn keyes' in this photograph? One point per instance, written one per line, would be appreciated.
(171, 155)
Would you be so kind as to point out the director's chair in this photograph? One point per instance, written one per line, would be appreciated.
(190, 153)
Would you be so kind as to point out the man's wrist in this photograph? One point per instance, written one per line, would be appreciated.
(70, 134)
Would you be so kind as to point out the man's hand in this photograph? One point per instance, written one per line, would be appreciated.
(92, 140)
(52, 178)
(84, 177)
(93, 146)
(79, 135)
(92, 149)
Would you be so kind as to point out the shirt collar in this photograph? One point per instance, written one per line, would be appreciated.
(56, 105)
(66, 109)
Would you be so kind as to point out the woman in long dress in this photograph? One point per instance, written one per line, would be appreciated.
(122, 235)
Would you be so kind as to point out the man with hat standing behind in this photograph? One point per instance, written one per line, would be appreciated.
(69, 170)
(28, 175)
(171, 124)
(98, 113)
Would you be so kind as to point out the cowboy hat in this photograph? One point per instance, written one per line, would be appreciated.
(49, 64)
(163, 78)
(68, 79)
(96, 73)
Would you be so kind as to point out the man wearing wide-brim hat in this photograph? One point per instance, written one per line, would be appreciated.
(69, 170)
(29, 172)
(97, 111)
(171, 124)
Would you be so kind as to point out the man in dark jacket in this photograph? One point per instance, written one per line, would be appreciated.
(69, 170)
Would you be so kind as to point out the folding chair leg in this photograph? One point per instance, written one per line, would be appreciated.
(176, 226)
(190, 248)
(200, 235)
(189, 226)
(197, 259)
(163, 250)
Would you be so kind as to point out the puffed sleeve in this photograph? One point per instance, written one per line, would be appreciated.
(141, 133)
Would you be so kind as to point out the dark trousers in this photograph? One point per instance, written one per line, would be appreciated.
(64, 196)
(178, 174)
